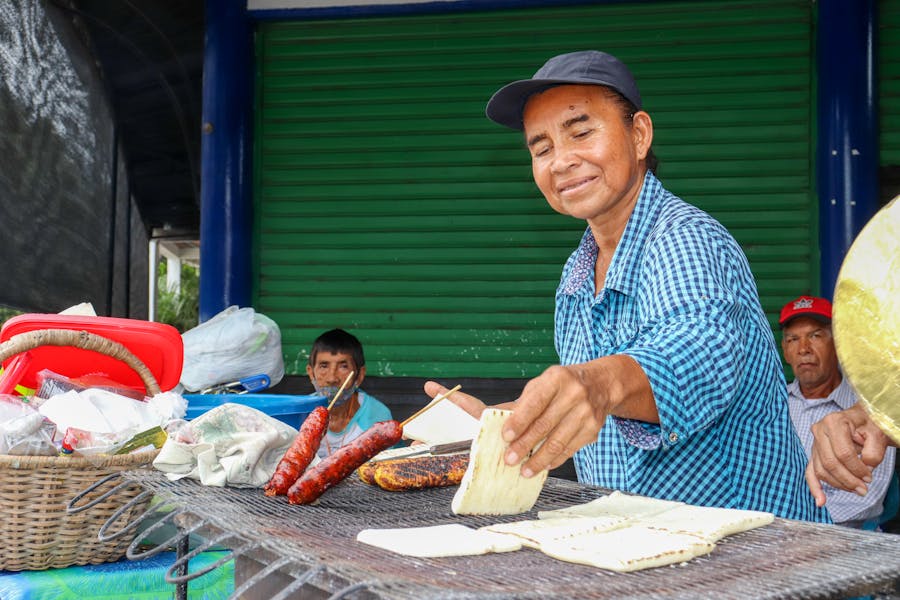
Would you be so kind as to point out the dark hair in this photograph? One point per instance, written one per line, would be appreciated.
(338, 340)
(628, 110)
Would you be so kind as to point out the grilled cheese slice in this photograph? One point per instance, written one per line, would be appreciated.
(615, 504)
(628, 549)
(438, 541)
(490, 486)
(709, 523)
(535, 533)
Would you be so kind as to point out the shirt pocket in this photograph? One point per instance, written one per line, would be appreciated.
(624, 336)
(619, 325)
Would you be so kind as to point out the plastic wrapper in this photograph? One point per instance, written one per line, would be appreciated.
(234, 344)
(90, 443)
(50, 384)
(23, 430)
(102, 412)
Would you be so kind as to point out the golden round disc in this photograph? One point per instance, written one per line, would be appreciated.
(866, 318)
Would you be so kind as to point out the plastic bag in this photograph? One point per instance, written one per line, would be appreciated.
(23, 431)
(51, 384)
(236, 343)
(101, 412)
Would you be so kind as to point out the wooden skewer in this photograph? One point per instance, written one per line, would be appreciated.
(427, 406)
(341, 389)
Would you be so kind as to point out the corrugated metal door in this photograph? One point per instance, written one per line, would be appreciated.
(889, 82)
(387, 204)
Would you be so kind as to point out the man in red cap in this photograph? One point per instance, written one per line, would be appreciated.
(820, 389)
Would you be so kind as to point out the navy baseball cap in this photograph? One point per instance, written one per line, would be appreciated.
(587, 67)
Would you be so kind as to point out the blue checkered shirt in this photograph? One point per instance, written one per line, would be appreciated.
(679, 298)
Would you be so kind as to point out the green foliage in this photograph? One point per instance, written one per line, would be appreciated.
(7, 313)
(179, 309)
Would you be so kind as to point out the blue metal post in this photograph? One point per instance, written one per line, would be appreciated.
(225, 193)
(847, 152)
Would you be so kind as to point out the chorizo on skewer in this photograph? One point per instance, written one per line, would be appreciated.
(301, 452)
(335, 467)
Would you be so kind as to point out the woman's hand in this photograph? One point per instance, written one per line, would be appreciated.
(556, 411)
(567, 406)
(564, 409)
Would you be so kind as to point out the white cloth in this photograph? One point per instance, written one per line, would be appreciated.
(229, 445)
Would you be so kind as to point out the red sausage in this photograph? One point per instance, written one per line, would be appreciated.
(300, 454)
(334, 468)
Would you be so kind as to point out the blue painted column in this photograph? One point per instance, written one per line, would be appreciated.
(847, 152)
(225, 193)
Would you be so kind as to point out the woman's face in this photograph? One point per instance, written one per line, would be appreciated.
(586, 156)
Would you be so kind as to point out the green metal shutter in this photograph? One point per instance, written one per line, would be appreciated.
(387, 204)
(889, 82)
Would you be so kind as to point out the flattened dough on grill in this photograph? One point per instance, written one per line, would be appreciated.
(628, 549)
(490, 486)
(438, 541)
(536, 532)
(615, 504)
(709, 523)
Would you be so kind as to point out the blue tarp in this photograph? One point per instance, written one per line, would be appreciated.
(131, 580)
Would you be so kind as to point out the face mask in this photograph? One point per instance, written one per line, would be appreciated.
(329, 391)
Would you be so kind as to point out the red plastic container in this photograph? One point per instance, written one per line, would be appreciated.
(157, 345)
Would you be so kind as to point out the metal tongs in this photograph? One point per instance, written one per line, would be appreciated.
(254, 383)
(419, 450)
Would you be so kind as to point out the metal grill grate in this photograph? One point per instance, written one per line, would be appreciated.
(786, 559)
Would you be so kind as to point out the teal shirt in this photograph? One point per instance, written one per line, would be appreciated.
(370, 411)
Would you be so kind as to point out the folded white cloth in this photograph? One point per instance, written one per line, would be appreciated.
(229, 445)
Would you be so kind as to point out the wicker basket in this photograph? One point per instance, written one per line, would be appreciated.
(37, 532)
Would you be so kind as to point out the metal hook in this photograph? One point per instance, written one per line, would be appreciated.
(183, 560)
(72, 509)
(101, 535)
(259, 576)
(299, 582)
(350, 589)
(179, 535)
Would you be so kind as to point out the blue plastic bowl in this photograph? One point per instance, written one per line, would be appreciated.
(290, 409)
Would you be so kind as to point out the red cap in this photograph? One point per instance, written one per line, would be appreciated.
(806, 306)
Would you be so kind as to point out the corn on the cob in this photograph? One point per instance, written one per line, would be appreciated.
(414, 473)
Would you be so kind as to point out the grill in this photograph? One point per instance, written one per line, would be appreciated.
(314, 548)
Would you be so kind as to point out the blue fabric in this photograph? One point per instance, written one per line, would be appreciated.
(131, 580)
(891, 500)
(679, 298)
(370, 411)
